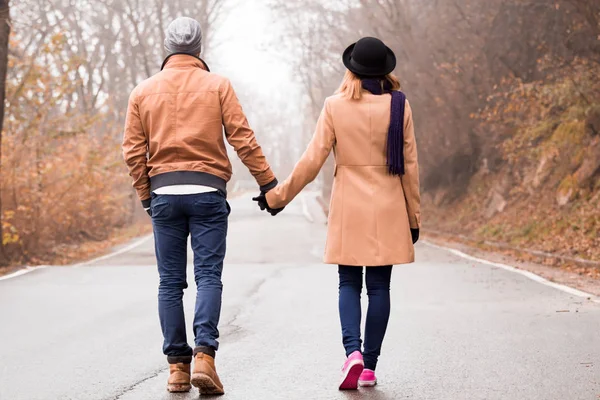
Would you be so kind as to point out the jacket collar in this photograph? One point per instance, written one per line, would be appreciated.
(179, 60)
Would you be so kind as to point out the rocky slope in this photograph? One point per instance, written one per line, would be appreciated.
(539, 185)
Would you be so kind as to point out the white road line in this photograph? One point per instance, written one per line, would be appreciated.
(305, 211)
(125, 249)
(20, 272)
(528, 274)
(116, 253)
(132, 246)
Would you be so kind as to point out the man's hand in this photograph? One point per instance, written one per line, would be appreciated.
(147, 207)
(262, 203)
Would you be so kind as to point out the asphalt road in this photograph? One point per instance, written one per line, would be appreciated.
(459, 329)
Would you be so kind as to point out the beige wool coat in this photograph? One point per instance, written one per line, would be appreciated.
(371, 211)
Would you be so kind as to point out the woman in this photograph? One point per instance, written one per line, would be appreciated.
(374, 216)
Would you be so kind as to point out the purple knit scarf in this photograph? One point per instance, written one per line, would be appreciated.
(395, 142)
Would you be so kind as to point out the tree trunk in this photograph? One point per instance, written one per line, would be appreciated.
(4, 35)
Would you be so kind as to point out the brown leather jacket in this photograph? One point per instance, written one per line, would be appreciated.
(174, 130)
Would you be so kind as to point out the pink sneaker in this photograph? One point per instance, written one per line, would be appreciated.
(353, 367)
(367, 378)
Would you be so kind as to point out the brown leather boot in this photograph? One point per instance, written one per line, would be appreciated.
(205, 376)
(179, 379)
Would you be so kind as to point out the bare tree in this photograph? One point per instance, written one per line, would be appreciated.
(451, 57)
(73, 66)
(4, 36)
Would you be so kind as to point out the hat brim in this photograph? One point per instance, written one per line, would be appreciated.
(387, 68)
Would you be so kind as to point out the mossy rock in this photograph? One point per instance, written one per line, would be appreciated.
(490, 230)
(592, 121)
(570, 182)
(567, 190)
(541, 130)
(569, 133)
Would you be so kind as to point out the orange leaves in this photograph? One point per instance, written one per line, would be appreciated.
(9, 238)
(63, 176)
(56, 41)
(9, 231)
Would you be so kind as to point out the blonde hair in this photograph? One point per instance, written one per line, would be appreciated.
(351, 86)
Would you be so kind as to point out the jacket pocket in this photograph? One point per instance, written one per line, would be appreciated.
(417, 218)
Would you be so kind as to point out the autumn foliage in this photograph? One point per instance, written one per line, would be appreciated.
(540, 186)
(71, 68)
(63, 176)
(505, 96)
(506, 102)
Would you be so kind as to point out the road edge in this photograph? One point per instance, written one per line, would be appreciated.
(528, 274)
(124, 249)
(27, 269)
(21, 272)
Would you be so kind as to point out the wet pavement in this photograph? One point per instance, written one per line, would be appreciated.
(458, 330)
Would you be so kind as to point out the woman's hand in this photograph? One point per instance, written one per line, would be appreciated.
(264, 205)
(415, 234)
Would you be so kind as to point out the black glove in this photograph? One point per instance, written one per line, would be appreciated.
(262, 203)
(415, 234)
(146, 205)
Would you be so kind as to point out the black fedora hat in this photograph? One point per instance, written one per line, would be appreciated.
(369, 57)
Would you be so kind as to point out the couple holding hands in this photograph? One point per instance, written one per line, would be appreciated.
(175, 150)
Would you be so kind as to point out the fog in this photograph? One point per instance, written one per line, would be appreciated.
(505, 96)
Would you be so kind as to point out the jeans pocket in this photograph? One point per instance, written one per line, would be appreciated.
(211, 201)
(160, 207)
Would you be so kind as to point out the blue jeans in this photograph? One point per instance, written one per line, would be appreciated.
(378, 312)
(203, 216)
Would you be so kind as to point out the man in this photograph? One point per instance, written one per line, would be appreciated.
(174, 148)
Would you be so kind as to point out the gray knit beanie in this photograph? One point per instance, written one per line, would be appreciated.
(184, 35)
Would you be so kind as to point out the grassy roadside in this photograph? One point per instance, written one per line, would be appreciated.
(72, 253)
(66, 254)
(539, 189)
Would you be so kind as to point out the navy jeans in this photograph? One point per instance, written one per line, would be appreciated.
(174, 217)
(378, 312)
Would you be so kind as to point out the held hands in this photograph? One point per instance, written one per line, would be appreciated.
(262, 203)
(262, 199)
(415, 234)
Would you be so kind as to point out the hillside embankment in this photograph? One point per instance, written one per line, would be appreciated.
(538, 194)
